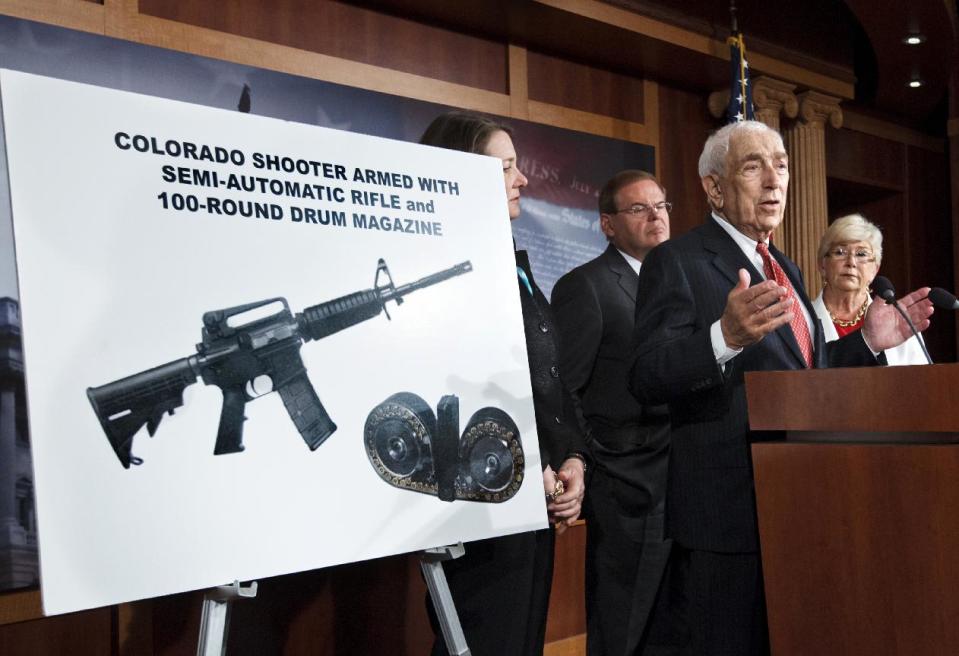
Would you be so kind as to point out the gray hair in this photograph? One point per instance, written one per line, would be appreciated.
(854, 227)
(712, 161)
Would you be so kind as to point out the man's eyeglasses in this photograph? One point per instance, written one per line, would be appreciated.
(645, 210)
(861, 255)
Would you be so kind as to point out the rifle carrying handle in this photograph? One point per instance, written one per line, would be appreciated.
(229, 436)
(305, 409)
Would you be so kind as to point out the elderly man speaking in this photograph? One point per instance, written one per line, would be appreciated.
(713, 304)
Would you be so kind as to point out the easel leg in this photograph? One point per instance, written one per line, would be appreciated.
(431, 562)
(215, 619)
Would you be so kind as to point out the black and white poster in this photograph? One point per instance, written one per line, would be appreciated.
(175, 257)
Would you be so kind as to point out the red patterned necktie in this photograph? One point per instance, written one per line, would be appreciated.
(800, 328)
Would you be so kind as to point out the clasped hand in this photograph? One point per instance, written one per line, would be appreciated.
(564, 509)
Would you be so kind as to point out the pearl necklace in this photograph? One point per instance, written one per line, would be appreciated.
(855, 320)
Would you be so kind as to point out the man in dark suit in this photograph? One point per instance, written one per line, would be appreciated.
(595, 307)
(713, 304)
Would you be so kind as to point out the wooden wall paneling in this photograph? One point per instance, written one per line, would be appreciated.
(353, 33)
(865, 159)
(929, 248)
(857, 122)
(954, 185)
(952, 132)
(133, 628)
(604, 126)
(570, 84)
(124, 22)
(671, 46)
(88, 633)
(80, 15)
(651, 115)
(567, 613)
(857, 516)
(518, 82)
(19, 605)
(684, 124)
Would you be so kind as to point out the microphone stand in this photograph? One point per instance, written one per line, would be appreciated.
(888, 293)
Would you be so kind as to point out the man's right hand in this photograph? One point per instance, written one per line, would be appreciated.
(753, 312)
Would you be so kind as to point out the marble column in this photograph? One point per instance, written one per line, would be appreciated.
(806, 207)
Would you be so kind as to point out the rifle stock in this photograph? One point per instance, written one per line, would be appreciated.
(125, 405)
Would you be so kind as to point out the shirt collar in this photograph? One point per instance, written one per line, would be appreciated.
(747, 244)
(631, 261)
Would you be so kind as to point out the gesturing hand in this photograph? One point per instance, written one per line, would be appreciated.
(884, 328)
(751, 313)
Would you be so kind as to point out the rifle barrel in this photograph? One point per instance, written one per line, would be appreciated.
(432, 279)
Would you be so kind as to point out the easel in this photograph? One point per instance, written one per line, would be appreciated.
(215, 619)
(431, 562)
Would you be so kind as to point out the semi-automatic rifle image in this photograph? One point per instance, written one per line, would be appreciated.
(235, 358)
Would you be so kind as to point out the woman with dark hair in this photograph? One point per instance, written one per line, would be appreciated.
(501, 585)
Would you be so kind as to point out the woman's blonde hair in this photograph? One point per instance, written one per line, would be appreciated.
(853, 227)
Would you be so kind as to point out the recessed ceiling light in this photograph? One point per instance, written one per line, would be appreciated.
(914, 39)
(915, 84)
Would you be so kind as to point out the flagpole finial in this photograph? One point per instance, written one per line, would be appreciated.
(732, 17)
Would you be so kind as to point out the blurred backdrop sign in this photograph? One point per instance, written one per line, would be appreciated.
(144, 226)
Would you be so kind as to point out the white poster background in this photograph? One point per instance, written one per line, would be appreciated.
(112, 284)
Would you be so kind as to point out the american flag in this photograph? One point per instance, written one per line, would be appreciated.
(740, 90)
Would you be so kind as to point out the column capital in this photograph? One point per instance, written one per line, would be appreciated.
(717, 102)
(815, 108)
(771, 97)
(770, 94)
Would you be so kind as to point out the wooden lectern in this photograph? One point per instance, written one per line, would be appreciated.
(859, 509)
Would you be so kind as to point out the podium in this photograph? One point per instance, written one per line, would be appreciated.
(859, 509)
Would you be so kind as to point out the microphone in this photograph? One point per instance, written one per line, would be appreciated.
(943, 299)
(884, 290)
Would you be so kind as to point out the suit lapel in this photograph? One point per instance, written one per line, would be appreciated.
(625, 276)
(728, 257)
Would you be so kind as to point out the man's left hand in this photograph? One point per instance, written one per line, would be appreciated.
(884, 328)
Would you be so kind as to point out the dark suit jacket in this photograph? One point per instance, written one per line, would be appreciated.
(595, 305)
(710, 501)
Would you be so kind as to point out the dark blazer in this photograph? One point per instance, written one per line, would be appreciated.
(559, 432)
(595, 308)
(710, 500)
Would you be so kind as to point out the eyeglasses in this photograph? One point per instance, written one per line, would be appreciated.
(643, 210)
(861, 255)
